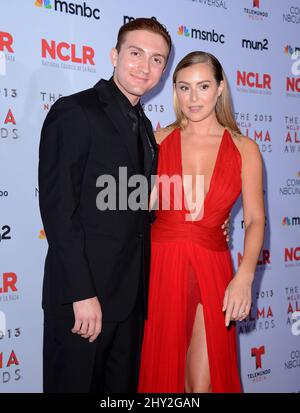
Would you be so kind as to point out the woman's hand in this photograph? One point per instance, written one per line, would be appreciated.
(237, 297)
(226, 228)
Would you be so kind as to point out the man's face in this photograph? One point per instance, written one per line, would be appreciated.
(140, 63)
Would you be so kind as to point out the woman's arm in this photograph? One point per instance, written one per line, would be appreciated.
(237, 300)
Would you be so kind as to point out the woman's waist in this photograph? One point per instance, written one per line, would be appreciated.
(167, 230)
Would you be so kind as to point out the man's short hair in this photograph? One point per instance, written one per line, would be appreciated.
(143, 23)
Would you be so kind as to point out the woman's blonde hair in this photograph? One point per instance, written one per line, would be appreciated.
(224, 107)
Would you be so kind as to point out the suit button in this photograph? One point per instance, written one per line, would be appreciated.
(140, 235)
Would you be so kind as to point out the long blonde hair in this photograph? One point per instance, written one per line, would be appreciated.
(224, 106)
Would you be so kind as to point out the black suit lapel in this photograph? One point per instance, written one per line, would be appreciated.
(152, 148)
(117, 117)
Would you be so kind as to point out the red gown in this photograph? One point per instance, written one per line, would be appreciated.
(191, 263)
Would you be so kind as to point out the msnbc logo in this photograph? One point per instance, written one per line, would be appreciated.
(290, 51)
(42, 234)
(61, 6)
(41, 3)
(183, 31)
(286, 221)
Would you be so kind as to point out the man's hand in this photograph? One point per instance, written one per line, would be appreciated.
(88, 318)
(226, 227)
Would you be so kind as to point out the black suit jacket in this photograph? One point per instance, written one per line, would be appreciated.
(91, 252)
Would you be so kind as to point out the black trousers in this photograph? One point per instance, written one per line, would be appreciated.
(109, 365)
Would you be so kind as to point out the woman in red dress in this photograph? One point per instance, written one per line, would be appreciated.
(194, 300)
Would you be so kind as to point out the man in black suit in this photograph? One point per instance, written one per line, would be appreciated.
(97, 266)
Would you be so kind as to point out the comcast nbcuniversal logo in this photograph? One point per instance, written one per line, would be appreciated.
(60, 6)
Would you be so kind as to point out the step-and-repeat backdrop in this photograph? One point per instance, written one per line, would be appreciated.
(51, 48)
